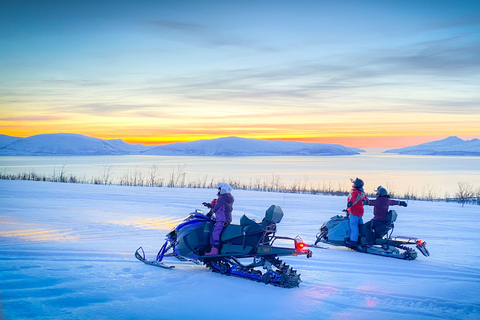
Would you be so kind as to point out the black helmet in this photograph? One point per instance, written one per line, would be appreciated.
(357, 183)
(381, 191)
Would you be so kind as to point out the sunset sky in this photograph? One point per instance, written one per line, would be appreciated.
(358, 73)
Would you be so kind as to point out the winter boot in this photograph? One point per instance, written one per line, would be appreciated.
(351, 244)
(213, 251)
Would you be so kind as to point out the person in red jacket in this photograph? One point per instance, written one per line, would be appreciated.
(355, 209)
(379, 224)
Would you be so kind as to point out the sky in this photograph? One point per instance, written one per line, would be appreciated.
(358, 73)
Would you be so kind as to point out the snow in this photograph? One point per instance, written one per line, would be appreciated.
(66, 252)
(448, 146)
(4, 140)
(75, 144)
(235, 146)
(67, 144)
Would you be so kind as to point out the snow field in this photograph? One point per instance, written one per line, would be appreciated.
(66, 252)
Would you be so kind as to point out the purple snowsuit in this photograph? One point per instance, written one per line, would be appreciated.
(223, 212)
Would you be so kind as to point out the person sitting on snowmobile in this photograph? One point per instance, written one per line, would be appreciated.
(222, 207)
(379, 224)
(355, 209)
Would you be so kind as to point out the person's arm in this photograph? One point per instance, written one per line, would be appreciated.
(350, 200)
(369, 202)
(397, 203)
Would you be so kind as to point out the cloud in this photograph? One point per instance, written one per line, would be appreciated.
(201, 35)
(32, 119)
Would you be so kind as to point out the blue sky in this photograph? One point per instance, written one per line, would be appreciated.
(352, 72)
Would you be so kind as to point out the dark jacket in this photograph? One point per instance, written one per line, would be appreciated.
(224, 207)
(381, 207)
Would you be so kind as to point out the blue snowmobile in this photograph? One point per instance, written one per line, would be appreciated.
(336, 231)
(190, 241)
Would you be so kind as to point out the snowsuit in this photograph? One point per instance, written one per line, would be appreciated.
(223, 212)
(379, 224)
(355, 208)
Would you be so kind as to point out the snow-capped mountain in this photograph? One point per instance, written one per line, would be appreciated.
(4, 140)
(123, 146)
(76, 144)
(235, 146)
(451, 146)
(66, 144)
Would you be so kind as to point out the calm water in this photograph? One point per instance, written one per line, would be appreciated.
(399, 173)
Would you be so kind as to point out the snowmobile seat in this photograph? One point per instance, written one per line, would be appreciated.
(274, 214)
(250, 226)
(231, 231)
(246, 221)
(391, 216)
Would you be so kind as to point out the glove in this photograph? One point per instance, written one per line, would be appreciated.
(349, 204)
(226, 223)
(402, 203)
(366, 202)
(206, 204)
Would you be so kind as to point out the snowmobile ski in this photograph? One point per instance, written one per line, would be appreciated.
(141, 257)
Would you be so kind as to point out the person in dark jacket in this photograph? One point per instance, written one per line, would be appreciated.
(222, 207)
(379, 224)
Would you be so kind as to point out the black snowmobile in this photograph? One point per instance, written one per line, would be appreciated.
(189, 241)
(336, 231)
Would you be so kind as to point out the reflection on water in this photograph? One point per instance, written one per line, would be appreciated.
(399, 173)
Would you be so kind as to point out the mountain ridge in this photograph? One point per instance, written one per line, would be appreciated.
(78, 145)
(450, 146)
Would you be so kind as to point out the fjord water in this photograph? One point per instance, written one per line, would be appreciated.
(419, 175)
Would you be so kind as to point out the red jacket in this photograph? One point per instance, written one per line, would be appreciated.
(356, 197)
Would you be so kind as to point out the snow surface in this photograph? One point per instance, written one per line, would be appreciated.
(75, 144)
(67, 252)
(452, 146)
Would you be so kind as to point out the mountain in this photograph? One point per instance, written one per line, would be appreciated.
(123, 146)
(235, 146)
(80, 145)
(451, 146)
(66, 144)
(4, 139)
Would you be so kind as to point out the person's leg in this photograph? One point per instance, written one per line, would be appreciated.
(215, 237)
(379, 228)
(369, 233)
(354, 222)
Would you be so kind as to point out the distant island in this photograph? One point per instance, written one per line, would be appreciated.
(68, 144)
(451, 146)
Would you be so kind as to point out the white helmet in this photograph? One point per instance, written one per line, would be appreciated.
(224, 188)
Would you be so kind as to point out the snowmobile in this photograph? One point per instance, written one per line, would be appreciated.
(336, 231)
(190, 241)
